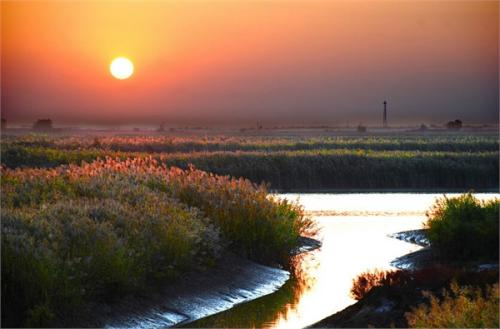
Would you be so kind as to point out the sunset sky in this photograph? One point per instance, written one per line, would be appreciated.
(276, 61)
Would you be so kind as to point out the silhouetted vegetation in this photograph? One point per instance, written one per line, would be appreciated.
(95, 232)
(464, 228)
(366, 281)
(459, 307)
(394, 298)
(454, 125)
(361, 128)
(42, 124)
(434, 277)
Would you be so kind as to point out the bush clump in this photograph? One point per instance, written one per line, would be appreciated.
(434, 277)
(460, 307)
(464, 228)
(365, 281)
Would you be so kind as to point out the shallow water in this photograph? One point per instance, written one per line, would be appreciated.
(354, 235)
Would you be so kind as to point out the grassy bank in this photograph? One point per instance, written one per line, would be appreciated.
(464, 228)
(94, 232)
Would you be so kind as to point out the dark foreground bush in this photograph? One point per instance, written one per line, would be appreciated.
(418, 298)
(431, 278)
(94, 232)
(464, 228)
(460, 307)
(364, 282)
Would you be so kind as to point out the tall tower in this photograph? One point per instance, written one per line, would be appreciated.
(385, 114)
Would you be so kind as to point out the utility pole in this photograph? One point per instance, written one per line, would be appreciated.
(385, 114)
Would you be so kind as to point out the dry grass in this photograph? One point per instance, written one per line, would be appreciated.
(460, 307)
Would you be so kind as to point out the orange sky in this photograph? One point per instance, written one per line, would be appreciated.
(289, 61)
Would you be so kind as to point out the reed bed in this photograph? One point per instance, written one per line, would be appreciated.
(304, 170)
(214, 143)
(72, 234)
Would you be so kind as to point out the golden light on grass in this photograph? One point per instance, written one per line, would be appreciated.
(121, 68)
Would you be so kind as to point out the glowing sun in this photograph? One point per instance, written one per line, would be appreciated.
(121, 68)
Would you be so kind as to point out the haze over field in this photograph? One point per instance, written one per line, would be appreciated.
(231, 62)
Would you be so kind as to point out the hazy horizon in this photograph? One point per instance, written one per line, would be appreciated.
(246, 63)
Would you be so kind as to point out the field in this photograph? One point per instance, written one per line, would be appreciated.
(328, 162)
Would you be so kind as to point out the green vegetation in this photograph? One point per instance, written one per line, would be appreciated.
(461, 307)
(408, 162)
(464, 228)
(94, 232)
(219, 143)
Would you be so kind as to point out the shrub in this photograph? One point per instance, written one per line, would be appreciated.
(464, 228)
(61, 254)
(461, 307)
(364, 282)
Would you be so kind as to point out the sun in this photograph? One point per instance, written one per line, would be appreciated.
(121, 68)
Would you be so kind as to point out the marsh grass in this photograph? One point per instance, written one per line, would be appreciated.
(290, 162)
(459, 307)
(108, 228)
(215, 143)
(464, 228)
(301, 169)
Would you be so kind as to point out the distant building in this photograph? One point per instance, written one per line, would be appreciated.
(384, 116)
(423, 127)
(361, 128)
(42, 124)
(4, 123)
(454, 125)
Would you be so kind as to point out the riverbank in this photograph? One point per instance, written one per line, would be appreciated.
(234, 280)
(387, 305)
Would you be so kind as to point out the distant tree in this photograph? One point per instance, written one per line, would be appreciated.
(4, 123)
(361, 128)
(454, 125)
(43, 124)
(423, 127)
(162, 127)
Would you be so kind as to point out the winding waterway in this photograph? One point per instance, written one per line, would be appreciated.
(354, 230)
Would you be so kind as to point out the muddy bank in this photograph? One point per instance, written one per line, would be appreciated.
(232, 281)
(198, 294)
(426, 257)
(417, 237)
(416, 260)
